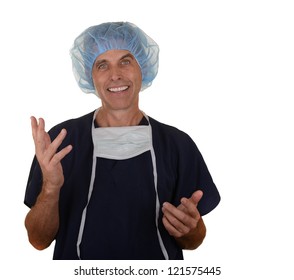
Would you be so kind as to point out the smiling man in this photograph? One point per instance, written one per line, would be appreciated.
(115, 183)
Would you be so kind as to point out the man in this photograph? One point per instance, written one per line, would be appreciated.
(115, 183)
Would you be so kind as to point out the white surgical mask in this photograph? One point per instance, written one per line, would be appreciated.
(121, 143)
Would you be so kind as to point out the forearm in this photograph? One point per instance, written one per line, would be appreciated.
(193, 239)
(42, 221)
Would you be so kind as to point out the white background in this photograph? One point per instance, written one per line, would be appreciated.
(225, 77)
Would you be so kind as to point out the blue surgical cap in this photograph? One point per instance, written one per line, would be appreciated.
(113, 36)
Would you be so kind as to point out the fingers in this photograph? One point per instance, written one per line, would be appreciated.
(176, 221)
(34, 125)
(48, 154)
(57, 157)
(190, 205)
(41, 138)
(37, 126)
(196, 197)
(181, 220)
(51, 149)
(46, 151)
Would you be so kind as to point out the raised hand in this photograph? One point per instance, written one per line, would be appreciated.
(47, 155)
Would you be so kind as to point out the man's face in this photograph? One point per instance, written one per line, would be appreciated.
(117, 78)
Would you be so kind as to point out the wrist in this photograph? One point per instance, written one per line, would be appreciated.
(194, 238)
(50, 192)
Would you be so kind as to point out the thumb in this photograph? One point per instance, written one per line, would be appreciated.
(196, 197)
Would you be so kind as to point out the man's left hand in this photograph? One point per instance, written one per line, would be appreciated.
(182, 222)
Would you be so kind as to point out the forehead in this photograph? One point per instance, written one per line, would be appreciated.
(112, 55)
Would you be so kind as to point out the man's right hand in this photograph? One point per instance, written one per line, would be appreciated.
(47, 155)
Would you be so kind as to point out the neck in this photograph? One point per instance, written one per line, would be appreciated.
(105, 118)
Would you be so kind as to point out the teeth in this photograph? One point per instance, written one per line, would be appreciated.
(117, 89)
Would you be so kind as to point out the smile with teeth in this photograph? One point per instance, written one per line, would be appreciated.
(118, 89)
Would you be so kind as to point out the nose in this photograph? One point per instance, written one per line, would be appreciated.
(115, 73)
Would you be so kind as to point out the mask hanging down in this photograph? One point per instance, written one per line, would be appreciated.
(121, 142)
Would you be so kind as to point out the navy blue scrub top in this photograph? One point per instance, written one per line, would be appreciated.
(120, 221)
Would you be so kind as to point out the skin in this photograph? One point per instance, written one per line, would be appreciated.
(117, 79)
(42, 221)
(184, 222)
(112, 71)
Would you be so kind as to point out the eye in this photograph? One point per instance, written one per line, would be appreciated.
(125, 62)
(101, 66)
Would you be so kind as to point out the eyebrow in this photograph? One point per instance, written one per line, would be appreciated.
(127, 55)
